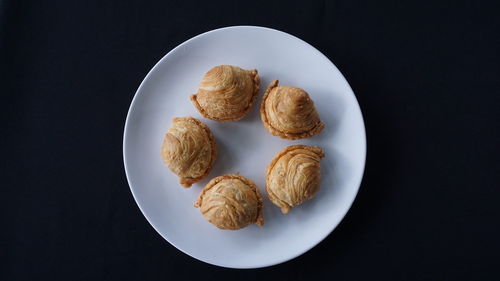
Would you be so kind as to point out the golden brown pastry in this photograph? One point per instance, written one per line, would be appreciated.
(189, 150)
(226, 93)
(231, 202)
(294, 176)
(289, 112)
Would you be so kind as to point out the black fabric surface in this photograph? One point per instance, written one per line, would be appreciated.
(427, 77)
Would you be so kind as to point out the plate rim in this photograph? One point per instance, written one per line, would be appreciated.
(278, 261)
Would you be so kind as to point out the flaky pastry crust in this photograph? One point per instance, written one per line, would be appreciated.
(189, 150)
(231, 202)
(226, 93)
(293, 176)
(289, 112)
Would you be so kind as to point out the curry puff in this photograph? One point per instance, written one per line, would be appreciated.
(226, 93)
(189, 150)
(293, 176)
(289, 112)
(231, 202)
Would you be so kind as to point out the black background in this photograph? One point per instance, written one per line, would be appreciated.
(426, 74)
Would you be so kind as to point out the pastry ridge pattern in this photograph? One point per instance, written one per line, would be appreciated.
(293, 176)
(288, 112)
(189, 150)
(226, 93)
(231, 202)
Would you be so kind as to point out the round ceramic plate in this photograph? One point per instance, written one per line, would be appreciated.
(244, 147)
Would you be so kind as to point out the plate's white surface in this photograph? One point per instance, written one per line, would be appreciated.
(244, 147)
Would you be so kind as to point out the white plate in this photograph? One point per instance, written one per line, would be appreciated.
(244, 147)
